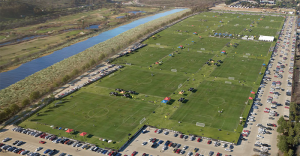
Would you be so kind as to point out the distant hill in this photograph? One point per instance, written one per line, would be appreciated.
(21, 8)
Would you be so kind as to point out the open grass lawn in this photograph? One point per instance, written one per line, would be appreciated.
(211, 97)
(208, 43)
(241, 21)
(145, 57)
(253, 48)
(141, 81)
(256, 31)
(169, 39)
(243, 69)
(103, 116)
(265, 23)
(185, 61)
(230, 29)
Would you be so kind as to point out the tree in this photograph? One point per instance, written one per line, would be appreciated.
(280, 121)
(14, 108)
(101, 57)
(282, 143)
(291, 152)
(34, 95)
(66, 78)
(75, 72)
(7, 112)
(25, 102)
(92, 62)
(280, 129)
(2, 116)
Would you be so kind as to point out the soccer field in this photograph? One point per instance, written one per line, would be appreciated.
(104, 116)
(210, 98)
(163, 69)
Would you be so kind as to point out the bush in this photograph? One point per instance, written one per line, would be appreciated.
(25, 102)
(34, 95)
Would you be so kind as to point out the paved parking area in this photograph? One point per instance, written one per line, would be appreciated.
(33, 142)
(203, 147)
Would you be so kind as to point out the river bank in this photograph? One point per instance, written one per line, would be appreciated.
(44, 80)
(20, 55)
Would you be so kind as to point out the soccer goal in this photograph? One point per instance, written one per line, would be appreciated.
(200, 124)
(180, 85)
(142, 121)
(173, 70)
(111, 74)
(227, 82)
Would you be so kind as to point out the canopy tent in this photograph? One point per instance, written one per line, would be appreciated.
(250, 98)
(223, 52)
(252, 92)
(195, 33)
(69, 130)
(263, 64)
(156, 62)
(167, 98)
(266, 38)
(83, 134)
(164, 101)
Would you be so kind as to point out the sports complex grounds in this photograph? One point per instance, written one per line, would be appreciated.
(202, 60)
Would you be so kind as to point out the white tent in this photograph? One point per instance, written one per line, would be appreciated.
(266, 38)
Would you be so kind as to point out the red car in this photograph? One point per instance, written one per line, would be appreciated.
(274, 125)
(42, 142)
(153, 140)
(181, 136)
(156, 131)
(218, 154)
(133, 153)
(21, 151)
(144, 154)
(199, 139)
(287, 107)
(209, 142)
(178, 151)
(197, 154)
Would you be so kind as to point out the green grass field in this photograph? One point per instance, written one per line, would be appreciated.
(91, 107)
(209, 99)
(141, 81)
(104, 116)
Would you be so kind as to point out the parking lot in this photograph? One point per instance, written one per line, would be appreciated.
(32, 143)
(203, 147)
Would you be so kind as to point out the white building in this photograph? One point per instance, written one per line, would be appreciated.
(266, 38)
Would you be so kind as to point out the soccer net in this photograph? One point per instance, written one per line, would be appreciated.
(231, 78)
(173, 70)
(110, 75)
(228, 82)
(143, 120)
(200, 124)
(179, 85)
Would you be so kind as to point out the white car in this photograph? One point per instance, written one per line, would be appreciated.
(38, 149)
(185, 147)
(224, 145)
(260, 136)
(227, 149)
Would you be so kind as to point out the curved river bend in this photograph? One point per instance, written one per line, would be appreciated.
(10, 77)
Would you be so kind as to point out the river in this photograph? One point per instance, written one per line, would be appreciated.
(10, 77)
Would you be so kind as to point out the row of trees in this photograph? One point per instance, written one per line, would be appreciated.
(289, 137)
